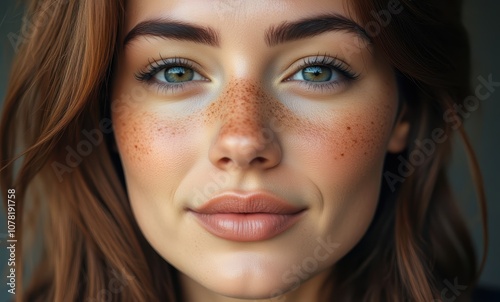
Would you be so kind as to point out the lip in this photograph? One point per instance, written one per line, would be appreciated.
(247, 217)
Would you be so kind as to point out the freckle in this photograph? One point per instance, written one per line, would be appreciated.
(242, 99)
(341, 154)
(348, 128)
(372, 123)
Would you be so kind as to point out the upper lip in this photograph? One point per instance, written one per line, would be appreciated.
(247, 203)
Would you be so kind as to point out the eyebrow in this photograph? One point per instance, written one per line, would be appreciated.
(171, 29)
(282, 33)
(310, 27)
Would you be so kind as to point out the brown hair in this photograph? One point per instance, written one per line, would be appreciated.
(92, 248)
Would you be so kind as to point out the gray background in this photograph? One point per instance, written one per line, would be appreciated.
(483, 22)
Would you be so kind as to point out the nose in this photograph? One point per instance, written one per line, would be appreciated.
(245, 138)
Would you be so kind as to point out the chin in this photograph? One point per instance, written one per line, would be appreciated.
(252, 276)
(242, 275)
(253, 289)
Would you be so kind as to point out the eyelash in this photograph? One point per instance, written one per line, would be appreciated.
(327, 61)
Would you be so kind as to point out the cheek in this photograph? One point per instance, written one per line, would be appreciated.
(358, 138)
(344, 158)
(348, 143)
(133, 137)
(154, 150)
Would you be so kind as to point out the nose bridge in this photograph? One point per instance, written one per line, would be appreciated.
(244, 110)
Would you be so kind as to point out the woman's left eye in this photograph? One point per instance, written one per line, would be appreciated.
(177, 74)
(323, 72)
(316, 73)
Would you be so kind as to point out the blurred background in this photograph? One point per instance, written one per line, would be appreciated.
(481, 17)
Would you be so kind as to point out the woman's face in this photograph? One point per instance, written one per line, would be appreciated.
(252, 136)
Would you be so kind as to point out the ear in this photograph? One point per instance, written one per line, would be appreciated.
(400, 131)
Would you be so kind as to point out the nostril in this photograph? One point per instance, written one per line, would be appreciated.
(259, 160)
(227, 163)
(225, 160)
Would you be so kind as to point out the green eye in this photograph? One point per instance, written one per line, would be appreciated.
(178, 74)
(315, 73)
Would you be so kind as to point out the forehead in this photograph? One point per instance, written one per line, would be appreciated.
(231, 16)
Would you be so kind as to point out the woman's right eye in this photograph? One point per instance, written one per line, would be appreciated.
(170, 74)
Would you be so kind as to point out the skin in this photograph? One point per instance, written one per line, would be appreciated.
(246, 127)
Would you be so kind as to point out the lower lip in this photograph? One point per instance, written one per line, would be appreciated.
(247, 227)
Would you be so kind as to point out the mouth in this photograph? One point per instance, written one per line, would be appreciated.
(247, 217)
